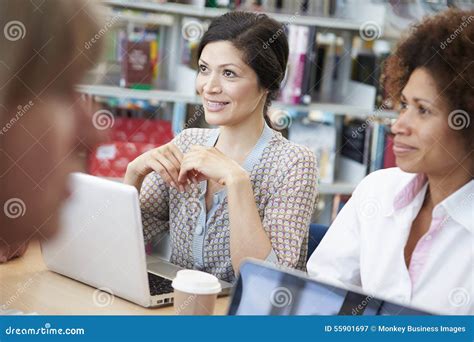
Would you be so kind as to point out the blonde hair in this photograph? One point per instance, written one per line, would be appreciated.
(43, 48)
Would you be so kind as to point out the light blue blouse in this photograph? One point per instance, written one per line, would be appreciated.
(219, 197)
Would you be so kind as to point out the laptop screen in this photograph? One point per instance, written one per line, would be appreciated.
(266, 290)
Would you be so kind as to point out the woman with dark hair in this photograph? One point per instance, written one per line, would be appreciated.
(241, 190)
(406, 234)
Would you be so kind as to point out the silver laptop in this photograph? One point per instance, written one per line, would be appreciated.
(101, 244)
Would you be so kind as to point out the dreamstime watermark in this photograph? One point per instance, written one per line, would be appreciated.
(458, 119)
(21, 110)
(280, 119)
(361, 306)
(192, 31)
(21, 289)
(198, 112)
(108, 24)
(103, 297)
(465, 22)
(458, 297)
(369, 207)
(103, 119)
(187, 302)
(370, 119)
(279, 32)
(370, 30)
(14, 30)
(46, 330)
(14, 208)
(281, 297)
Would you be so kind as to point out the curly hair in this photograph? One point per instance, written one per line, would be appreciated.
(443, 45)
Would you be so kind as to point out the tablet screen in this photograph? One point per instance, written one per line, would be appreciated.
(265, 290)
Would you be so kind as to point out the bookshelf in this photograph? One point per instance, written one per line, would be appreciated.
(336, 188)
(156, 18)
(126, 93)
(195, 11)
(352, 100)
(175, 96)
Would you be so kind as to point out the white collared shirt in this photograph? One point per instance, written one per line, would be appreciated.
(365, 245)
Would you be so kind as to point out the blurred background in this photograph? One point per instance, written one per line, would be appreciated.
(332, 99)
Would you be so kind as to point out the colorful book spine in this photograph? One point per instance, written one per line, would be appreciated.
(288, 82)
(301, 46)
(309, 74)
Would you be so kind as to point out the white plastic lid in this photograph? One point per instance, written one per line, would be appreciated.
(196, 282)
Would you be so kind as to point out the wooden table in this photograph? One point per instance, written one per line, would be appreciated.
(27, 285)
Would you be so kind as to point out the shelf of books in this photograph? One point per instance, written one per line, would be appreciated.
(143, 18)
(332, 99)
(138, 94)
(176, 96)
(293, 12)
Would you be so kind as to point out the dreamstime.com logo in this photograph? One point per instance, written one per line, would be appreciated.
(369, 208)
(14, 208)
(103, 119)
(22, 288)
(192, 31)
(370, 30)
(101, 33)
(458, 119)
(188, 301)
(47, 329)
(281, 119)
(281, 297)
(198, 112)
(280, 31)
(103, 297)
(458, 297)
(465, 23)
(14, 30)
(21, 110)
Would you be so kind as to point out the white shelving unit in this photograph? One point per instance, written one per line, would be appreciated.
(169, 15)
(125, 93)
(157, 19)
(195, 11)
(173, 96)
(336, 188)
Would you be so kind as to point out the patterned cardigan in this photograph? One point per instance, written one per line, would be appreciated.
(284, 181)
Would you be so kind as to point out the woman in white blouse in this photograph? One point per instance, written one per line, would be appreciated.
(406, 234)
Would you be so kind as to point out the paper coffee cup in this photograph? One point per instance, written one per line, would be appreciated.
(195, 292)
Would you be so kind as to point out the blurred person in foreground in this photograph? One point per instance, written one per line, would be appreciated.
(45, 127)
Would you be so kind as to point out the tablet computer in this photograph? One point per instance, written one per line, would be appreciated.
(266, 289)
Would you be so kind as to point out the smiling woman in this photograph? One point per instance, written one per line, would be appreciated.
(240, 190)
(406, 234)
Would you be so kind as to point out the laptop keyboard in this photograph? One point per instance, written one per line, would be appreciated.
(159, 285)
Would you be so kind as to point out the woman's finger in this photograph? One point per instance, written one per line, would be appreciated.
(168, 155)
(176, 152)
(161, 170)
(183, 172)
(188, 164)
(170, 168)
